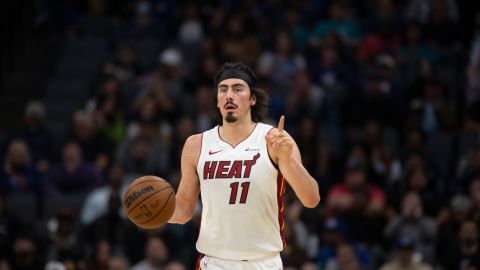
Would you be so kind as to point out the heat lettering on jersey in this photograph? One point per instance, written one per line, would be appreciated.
(229, 169)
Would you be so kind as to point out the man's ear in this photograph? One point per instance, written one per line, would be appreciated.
(253, 100)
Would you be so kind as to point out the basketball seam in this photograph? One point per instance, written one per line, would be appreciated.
(146, 181)
(130, 210)
(158, 211)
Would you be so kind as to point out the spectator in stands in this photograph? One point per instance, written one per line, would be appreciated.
(366, 201)
(154, 103)
(124, 67)
(331, 234)
(414, 48)
(377, 101)
(101, 255)
(171, 72)
(93, 144)
(449, 221)
(438, 113)
(295, 23)
(63, 241)
(342, 197)
(345, 258)
(145, 153)
(25, 253)
(404, 257)
(281, 65)
(467, 249)
(190, 37)
(142, 25)
(118, 263)
(107, 114)
(156, 255)
(334, 234)
(110, 226)
(417, 180)
(413, 146)
(73, 174)
(183, 129)
(412, 222)
(293, 255)
(209, 65)
(203, 116)
(425, 74)
(443, 23)
(298, 227)
(386, 168)
(238, 43)
(324, 169)
(333, 75)
(308, 142)
(18, 172)
(96, 203)
(35, 134)
(383, 25)
(468, 170)
(339, 21)
(317, 103)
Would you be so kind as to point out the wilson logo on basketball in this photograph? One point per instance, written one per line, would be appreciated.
(137, 194)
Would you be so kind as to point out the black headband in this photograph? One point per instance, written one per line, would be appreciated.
(237, 74)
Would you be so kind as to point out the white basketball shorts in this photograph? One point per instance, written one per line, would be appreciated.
(212, 263)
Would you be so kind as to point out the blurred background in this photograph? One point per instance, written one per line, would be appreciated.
(382, 97)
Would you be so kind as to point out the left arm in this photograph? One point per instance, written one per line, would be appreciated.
(284, 151)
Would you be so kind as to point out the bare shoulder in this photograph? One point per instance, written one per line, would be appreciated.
(194, 142)
(192, 148)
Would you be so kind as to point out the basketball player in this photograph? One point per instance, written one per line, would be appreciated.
(240, 168)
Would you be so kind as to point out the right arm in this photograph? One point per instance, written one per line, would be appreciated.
(189, 188)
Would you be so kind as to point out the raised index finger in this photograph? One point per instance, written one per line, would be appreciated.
(281, 123)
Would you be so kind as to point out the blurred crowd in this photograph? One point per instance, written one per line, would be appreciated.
(382, 97)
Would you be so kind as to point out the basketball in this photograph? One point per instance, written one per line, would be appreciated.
(149, 202)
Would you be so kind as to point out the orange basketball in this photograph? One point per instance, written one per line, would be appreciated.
(149, 202)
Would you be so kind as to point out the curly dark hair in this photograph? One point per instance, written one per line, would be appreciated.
(259, 110)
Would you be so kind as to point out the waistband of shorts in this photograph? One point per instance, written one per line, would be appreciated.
(269, 257)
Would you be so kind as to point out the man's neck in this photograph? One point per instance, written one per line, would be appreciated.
(235, 133)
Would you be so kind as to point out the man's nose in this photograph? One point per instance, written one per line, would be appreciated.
(229, 94)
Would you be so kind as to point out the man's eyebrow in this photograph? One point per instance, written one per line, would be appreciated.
(225, 85)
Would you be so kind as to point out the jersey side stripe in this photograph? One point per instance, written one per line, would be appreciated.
(280, 193)
(199, 259)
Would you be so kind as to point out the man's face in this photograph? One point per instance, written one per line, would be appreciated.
(355, 178)
(468, 234)
(156, 251)
(234, 99)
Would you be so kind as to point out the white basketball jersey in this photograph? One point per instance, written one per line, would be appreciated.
(242, 197)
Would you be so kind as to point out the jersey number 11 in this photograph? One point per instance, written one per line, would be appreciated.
(234, 189)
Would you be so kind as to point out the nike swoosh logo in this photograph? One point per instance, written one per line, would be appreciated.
(211, 153)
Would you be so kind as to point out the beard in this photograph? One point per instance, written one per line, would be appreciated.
(230, 118)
